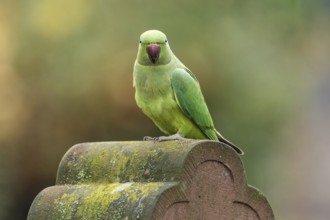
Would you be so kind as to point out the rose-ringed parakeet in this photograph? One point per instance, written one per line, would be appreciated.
(169, 93)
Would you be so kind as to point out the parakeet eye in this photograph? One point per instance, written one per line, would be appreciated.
(166, 41)
(140, 42)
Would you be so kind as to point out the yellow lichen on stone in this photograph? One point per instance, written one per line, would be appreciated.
(123, 162)
(94, 201)
(65, 205)
(71, 205)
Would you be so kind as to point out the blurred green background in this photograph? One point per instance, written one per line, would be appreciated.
(66, 78)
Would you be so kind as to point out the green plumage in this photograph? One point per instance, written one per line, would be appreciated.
(169, 93)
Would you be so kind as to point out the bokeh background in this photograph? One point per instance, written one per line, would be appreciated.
(264, 68)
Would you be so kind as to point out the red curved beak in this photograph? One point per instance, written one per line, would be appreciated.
(153, 51)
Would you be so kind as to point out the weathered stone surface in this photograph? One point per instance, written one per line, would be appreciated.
(183, 180)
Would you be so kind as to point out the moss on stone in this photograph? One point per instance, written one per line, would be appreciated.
(99, 201)
(123, 162)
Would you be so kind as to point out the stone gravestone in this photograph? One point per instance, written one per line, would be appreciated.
(170, 180)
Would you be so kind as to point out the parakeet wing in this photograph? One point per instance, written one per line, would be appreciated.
(191, 101)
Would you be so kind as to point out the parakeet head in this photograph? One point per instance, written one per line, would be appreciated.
(154, 48)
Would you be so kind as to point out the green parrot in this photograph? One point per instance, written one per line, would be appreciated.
(169, 93)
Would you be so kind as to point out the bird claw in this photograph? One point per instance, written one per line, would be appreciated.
(148, 138)
(164, 138)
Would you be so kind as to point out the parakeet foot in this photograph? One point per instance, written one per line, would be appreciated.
(148, 138)
(176, 136)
